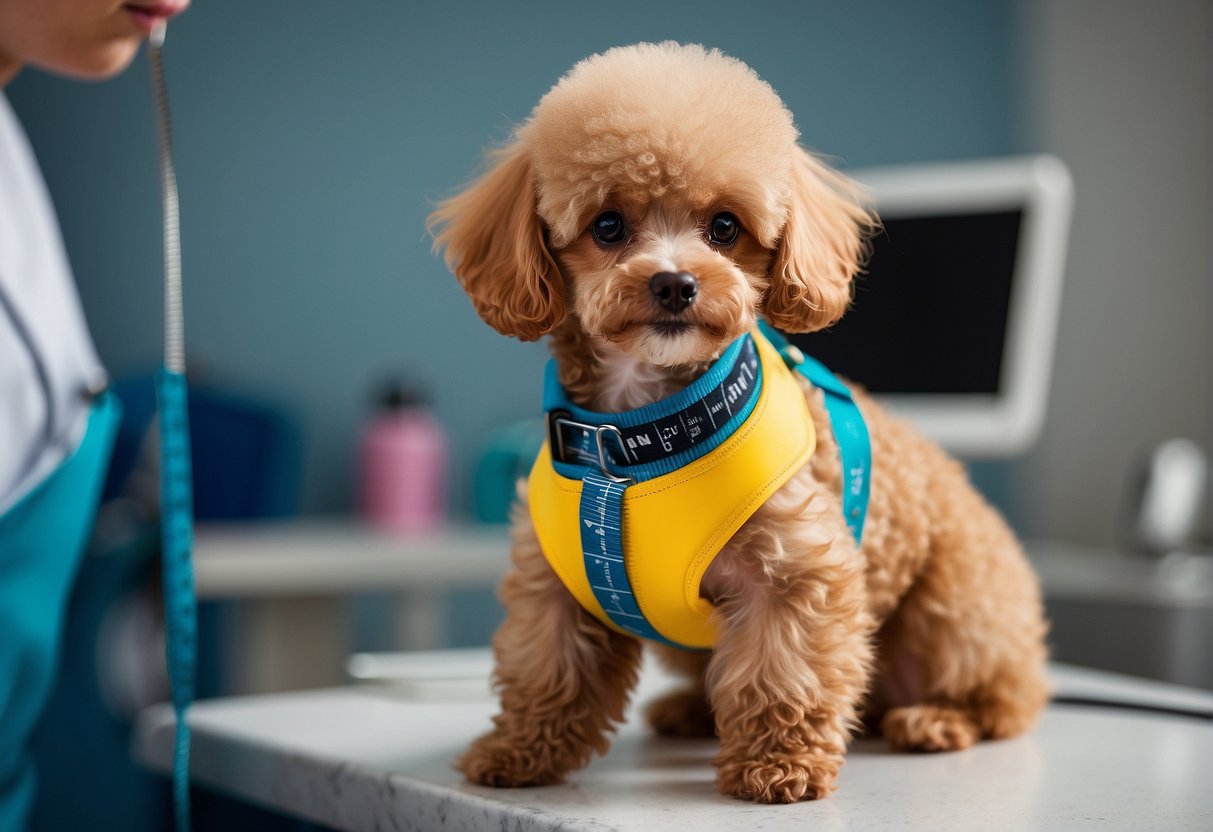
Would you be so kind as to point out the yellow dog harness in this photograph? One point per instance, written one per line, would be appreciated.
(630, 508)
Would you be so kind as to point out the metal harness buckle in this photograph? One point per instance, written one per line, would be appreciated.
(556, 437)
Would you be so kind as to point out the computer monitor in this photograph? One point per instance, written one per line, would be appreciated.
(954, 323)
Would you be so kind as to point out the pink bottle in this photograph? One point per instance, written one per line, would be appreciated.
(403, 463)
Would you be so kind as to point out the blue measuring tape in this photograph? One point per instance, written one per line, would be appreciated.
(177, 539)
(176, 481)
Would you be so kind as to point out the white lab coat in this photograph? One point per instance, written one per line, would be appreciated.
(47, 359)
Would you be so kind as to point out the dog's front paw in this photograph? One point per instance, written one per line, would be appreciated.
(683, 713)
(779, 779)
(505, 763)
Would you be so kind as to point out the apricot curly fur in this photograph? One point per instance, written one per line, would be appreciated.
(563, 679)
(932, 632)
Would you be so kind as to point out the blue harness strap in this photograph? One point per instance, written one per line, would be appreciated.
(661, 437)
(602, 546)
(846, 420)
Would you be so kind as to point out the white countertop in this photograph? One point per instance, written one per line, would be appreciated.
(379, 757)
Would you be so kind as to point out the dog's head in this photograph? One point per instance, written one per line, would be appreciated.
(658, 195)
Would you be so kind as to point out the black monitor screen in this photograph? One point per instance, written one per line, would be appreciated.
(930, 315)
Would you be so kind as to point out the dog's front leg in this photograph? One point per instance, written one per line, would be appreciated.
(563, 677)
(793, 657)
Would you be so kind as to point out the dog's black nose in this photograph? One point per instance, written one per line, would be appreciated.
(675, 291)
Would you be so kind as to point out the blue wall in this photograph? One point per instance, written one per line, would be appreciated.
(313, 138)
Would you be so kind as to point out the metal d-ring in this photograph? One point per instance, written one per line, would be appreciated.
(599, 432)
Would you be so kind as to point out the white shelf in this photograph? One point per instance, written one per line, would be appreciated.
(1072, 571)
(337, 556)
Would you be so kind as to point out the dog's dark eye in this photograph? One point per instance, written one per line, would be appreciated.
(723, 229)
(609, 228)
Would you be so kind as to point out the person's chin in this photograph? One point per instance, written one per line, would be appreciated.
(99, 63)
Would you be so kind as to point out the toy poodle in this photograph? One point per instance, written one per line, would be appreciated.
(653, 208)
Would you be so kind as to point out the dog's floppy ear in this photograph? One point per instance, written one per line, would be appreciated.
(822, 247)
(494, 243)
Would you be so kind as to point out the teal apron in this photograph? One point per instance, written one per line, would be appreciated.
(42, 539)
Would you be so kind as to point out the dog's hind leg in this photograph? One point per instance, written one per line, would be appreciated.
(1002, 700)
(684, 712)
(1001, 704)
(563, 677)
(970, 635)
